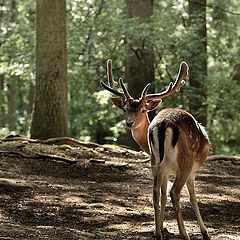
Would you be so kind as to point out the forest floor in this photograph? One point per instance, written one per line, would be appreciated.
(103, 193)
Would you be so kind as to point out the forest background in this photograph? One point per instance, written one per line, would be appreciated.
(205, 34)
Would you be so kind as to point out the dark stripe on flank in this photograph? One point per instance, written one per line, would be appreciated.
(161, 139)
(162, 135)
(175, 135)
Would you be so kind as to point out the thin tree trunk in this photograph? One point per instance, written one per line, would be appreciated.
(50, 118)
(198, 59)
(12, 105)
(2, 101)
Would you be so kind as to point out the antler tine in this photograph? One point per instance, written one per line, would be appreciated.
(126, 93)
(145, 90)
(183, 72)
(111, 83)
(114, 91)
(172, 87)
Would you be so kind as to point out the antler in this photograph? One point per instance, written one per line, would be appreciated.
(145, 90)
(112, 83)
(172, 87)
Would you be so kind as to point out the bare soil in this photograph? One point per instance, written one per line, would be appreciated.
(105, 193)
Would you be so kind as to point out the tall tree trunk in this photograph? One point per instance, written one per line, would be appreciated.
(198, 59)
(140, 60)
(2, 102)
(12, 83)
(50, 118)
(12, 104)
(31, 92)
(2, 111)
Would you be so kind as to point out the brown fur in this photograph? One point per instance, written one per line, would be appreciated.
(192, 150)
(177, 144)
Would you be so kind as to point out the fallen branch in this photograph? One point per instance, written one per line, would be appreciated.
(234, 159)
(57, 141)
(67, 141)
(38, 156)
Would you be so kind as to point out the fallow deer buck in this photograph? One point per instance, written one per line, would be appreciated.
(176, 142)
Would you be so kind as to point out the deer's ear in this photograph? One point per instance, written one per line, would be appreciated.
(118, 102)
(153, 104)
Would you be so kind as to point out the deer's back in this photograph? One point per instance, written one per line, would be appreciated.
(179, 129)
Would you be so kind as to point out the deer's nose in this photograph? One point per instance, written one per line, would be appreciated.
(129, 123)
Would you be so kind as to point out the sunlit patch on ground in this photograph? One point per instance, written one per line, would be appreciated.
(46, 199)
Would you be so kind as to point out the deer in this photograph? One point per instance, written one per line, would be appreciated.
(177, 144)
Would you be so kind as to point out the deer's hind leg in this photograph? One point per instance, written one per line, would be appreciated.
(182, 176)
(163, 199)
(156, 197)
(193, 200)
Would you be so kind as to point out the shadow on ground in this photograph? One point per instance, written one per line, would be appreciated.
(110, 199)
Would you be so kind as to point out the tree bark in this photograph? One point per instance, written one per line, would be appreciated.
(12, 84)
(140, 61)
(2, 108)
(198, 59)
(50, 114)
(12, 104)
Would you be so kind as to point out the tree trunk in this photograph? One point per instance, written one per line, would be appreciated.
(198, 59)
(139, 71)
(50, 118)
(2, 101)
(31, 92)
(2, 110)
(140, 61)
(236, 73)
(12, 104)
(12, 83)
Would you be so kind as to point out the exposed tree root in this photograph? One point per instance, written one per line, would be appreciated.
(38, 156)
(57, 141)
(74, 142)
(234, 159)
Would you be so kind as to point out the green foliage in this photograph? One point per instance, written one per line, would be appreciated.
(17, 57)
(98, 30)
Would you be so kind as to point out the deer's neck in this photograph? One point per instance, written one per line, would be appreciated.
(140, 135)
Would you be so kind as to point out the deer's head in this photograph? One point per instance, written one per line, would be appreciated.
(135, 110)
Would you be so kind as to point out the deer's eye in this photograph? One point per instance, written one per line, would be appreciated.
(144, 111)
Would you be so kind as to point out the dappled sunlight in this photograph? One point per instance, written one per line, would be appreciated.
(97, 200)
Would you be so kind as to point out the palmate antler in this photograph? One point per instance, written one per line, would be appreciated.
(172, 87)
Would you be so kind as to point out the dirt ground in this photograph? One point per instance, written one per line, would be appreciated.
(104, 193)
